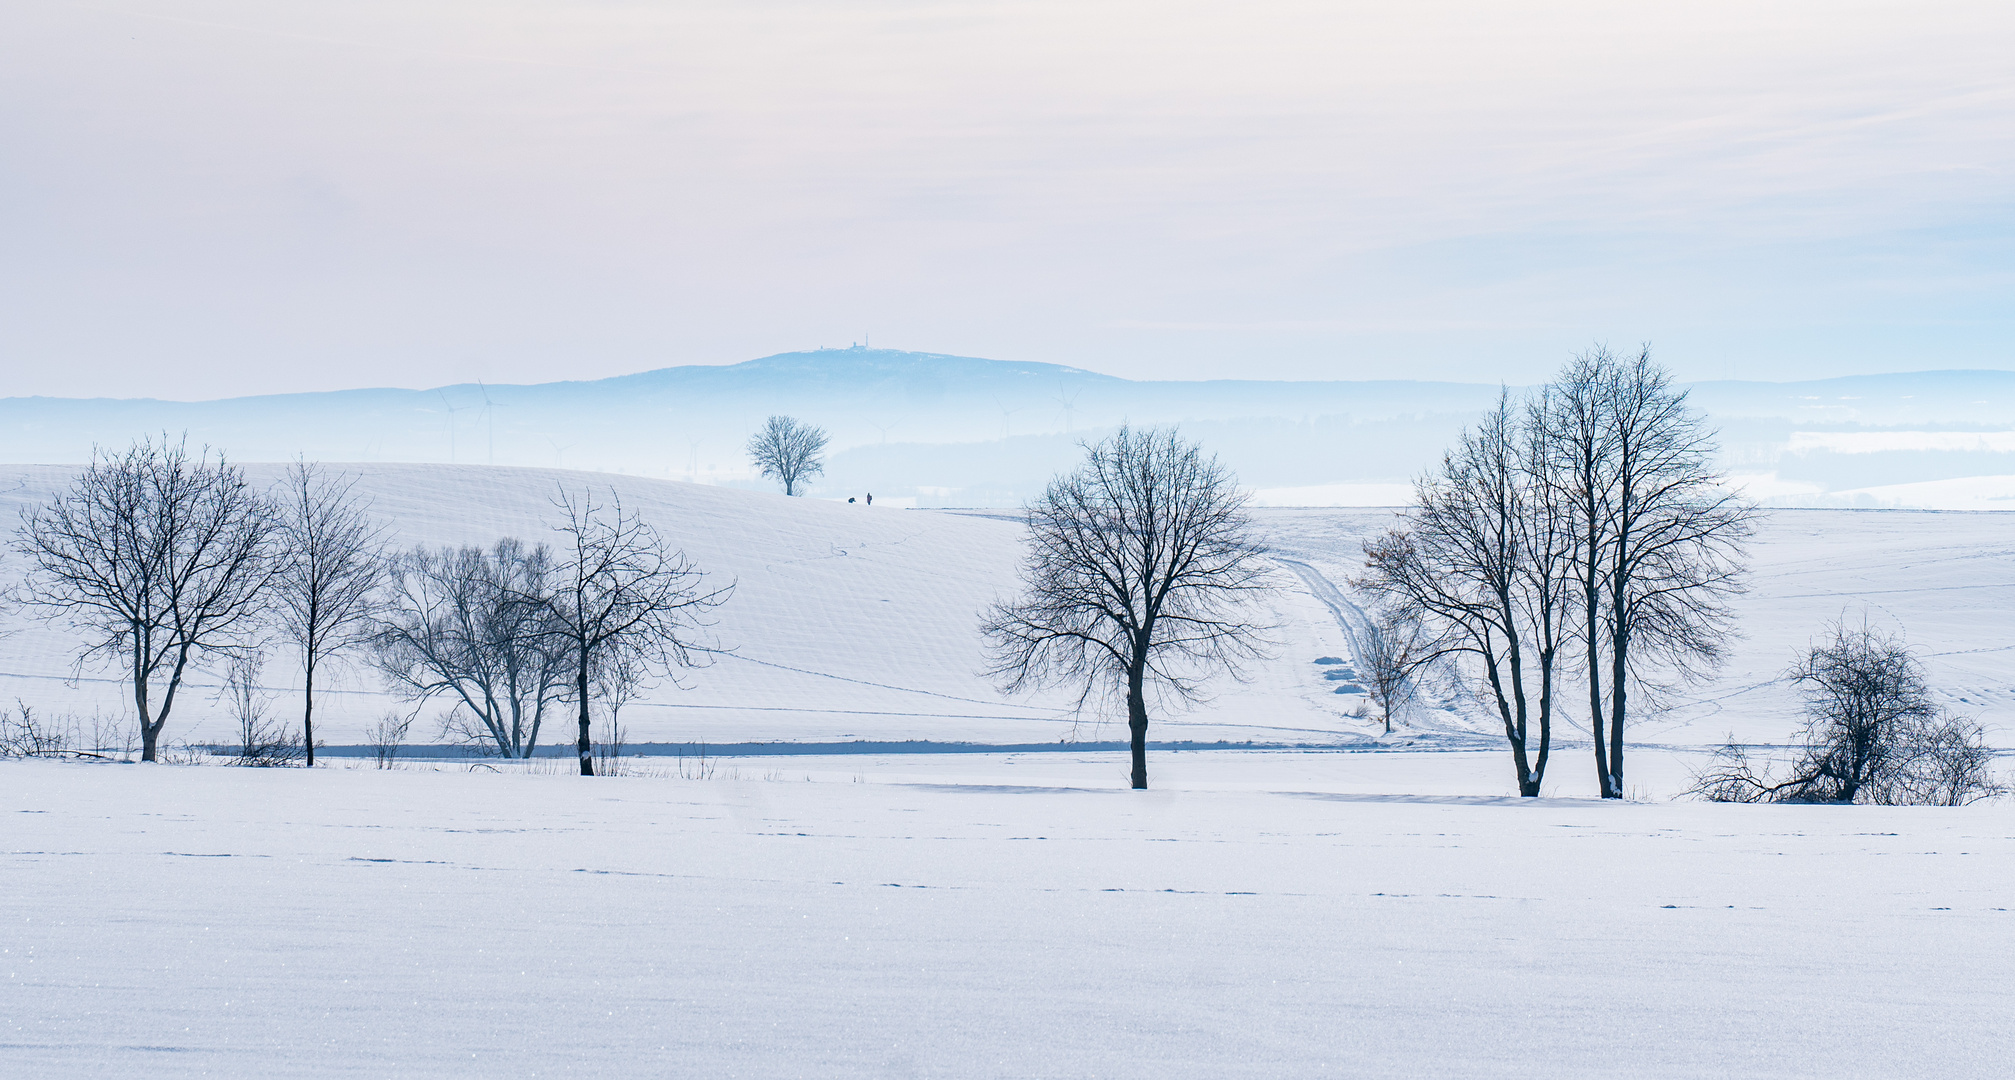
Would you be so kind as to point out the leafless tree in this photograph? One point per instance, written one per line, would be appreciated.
(1140, 568)
(1388, 650)
(23, 734)
(331, 562)
(623, 598)
(476, 627)
(789, 450)
(387, 736)
(618, 678)
(262, 741)
(158, 558)
(1580, 444)
(1950, 764)
(1873, 733)
(1865, 697)
(1658, 539)
(1479, 566)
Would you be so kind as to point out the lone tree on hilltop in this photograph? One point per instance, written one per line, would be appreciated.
(157, 558)
(621, 598)
(790, 451)
(1139, 566)
(331, 563)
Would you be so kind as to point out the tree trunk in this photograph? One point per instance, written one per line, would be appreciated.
(1136, 722)
(1514, 732)
(586, 747)
(1538, 774)
(148, 731)
(1595, 717)
(1528, 779)
(1619, 648)
(308, 712)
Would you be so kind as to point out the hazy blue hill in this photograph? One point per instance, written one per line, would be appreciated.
(949, 429)
(660, 420)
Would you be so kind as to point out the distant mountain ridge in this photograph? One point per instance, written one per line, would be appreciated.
(951, 429)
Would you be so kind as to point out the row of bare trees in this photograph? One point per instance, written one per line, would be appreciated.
(1579, 538)
(509, 632)
(1576, 549)
(163, 560)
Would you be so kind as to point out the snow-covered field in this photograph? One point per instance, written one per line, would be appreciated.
(850, 623)
(986, 921)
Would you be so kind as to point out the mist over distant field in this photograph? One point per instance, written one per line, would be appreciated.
(930, 429)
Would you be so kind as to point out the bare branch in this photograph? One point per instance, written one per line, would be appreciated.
(157, 558)
(331, 562)
(1140, 568)
(624, 601)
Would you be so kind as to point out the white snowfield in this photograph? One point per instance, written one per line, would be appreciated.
(856, 623)
(180, 922)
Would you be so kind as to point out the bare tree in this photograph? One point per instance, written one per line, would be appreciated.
(1950, 764)
(1658, 539)
(1873, 733)
(23, 734)
(1580, 445)
(1388, 649)
(476, 627)
(789, 450)
(157, 558)
(1479, 566)
(1139, 568)
(1865, 696)
(331, 562)
(619, 677)
(387, 735)
(623, 598)
(262, 741)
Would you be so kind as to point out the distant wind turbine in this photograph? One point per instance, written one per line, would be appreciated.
(489, 419)
(1007, 416)
(451, 424)
(1068, 404)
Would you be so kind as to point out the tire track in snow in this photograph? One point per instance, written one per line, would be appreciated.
(1348, 615)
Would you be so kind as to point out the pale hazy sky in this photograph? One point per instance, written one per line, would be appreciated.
(202, 198)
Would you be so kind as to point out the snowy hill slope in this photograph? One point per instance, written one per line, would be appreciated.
(855, 623)
(846, 623)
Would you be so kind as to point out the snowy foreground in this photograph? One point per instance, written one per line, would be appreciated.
(1258, 914)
